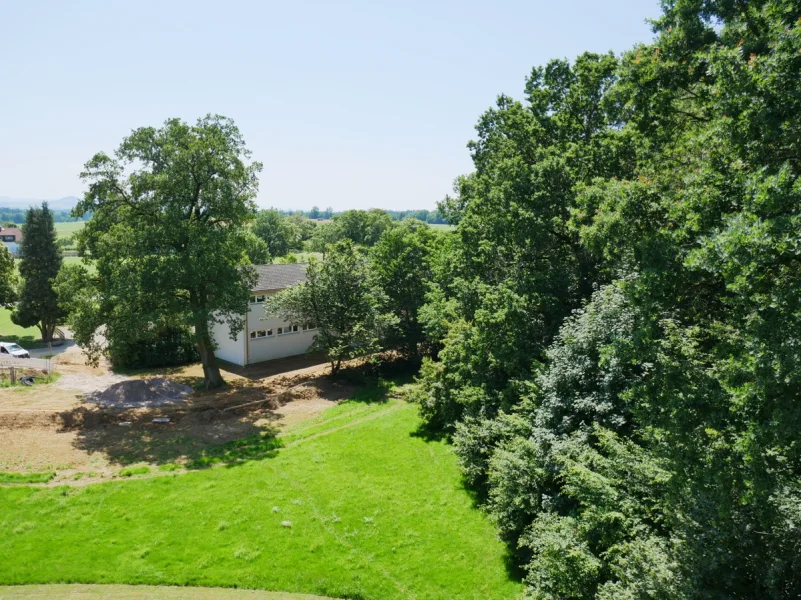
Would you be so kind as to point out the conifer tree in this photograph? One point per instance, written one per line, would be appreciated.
(40, 261)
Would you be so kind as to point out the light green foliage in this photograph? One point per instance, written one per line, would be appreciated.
(168, 233)
(40, 261)
(279, 232)
(339, 300)
(362, 227)
(377, 513)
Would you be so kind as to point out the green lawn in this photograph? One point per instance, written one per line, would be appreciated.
(354, 504)
(443, 226)
(27, 337)
(67, 229)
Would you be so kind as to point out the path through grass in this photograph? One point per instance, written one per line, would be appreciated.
(353, 505)
(139, 592)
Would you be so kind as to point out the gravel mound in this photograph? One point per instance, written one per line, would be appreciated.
(141, 393)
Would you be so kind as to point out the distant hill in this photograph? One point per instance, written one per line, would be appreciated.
(65, 203)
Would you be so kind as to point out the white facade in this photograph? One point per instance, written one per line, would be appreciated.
(264, 337)
(13, 247)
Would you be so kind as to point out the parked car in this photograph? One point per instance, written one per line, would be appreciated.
(15, 350)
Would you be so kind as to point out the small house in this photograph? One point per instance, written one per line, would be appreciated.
(265, 337)
(11, 237)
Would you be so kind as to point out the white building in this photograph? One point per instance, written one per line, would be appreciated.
(266, 337)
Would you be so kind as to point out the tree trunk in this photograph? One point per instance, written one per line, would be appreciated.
(212, 378)
(47, 330)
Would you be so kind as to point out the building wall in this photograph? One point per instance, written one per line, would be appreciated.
(275, 345)
(13, 247)
(227, 349)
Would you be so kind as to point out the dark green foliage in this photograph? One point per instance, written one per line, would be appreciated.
(645, 446)
(154, 348)
(168, 235)
(40, 261)
(401, 264)
(8, 278)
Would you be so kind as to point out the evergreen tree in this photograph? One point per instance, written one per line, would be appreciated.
(39, 265)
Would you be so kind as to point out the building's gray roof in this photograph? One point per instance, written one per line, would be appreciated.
(278, 277)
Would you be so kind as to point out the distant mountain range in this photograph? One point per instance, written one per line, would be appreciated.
(65, 203)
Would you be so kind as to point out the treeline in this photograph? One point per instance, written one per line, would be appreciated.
(17, 216)
(433, 217)
(619, 315)
(285, 233)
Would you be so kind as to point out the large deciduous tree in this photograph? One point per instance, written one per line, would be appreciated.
(8, 277)
(40, 261)
(169, 229)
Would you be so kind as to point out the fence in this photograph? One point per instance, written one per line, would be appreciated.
(40, 364)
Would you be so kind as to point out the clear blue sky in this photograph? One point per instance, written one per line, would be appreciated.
(348, 104)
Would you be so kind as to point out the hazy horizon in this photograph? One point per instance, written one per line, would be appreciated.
(353, 105)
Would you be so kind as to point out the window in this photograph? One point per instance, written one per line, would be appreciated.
(257, 299)
(294, 328)
(270, 333)
(309, 327)
(254, 335)
(281, 330)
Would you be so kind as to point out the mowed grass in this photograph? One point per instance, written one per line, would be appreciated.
(67, 229)
(27, 337)
(354, 504)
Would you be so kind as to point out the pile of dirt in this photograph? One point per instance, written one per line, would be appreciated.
(141, 393)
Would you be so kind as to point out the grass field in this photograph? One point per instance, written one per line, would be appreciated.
(443, 226)
(353, 504)
(27, 337)
(67, 229)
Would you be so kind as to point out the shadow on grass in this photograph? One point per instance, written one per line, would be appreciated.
(28, 342)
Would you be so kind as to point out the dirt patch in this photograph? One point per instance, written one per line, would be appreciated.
(88, 383)
(142, 393)
(56, 429)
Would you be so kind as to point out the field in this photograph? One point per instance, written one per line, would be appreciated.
(27, 337)
(351, 503)
(67, 229)
(442, 226)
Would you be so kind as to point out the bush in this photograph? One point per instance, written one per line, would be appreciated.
(165, 348)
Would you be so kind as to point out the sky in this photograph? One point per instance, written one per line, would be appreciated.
(348, 104)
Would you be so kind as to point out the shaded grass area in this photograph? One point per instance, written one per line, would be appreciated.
(349, 505)
(26, 477)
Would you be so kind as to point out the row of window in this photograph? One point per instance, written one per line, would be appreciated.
(265, 333)
(258, 299)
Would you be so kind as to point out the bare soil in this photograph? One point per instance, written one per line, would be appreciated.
(53, 427)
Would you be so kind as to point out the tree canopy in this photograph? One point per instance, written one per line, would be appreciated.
(620, 366)
(168, 235)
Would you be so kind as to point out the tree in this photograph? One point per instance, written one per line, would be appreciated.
(338, 299)
(277, 232)
(170, 216)
(401, 266)
(40, 261)
(8, 278)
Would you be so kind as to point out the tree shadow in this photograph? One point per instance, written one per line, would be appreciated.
(231, 425)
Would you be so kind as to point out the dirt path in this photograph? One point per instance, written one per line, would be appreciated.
(140, 592)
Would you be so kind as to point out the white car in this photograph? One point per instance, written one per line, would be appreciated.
(15, 350)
